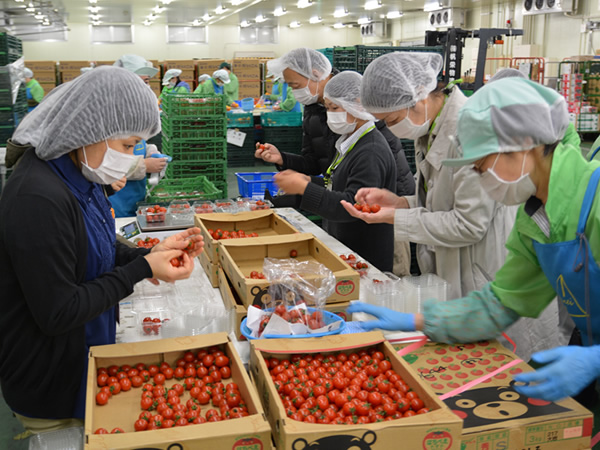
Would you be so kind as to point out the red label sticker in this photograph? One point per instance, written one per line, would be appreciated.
(249, 443)
(437, 440)
(344, 287)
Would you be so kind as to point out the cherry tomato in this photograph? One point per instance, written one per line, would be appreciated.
(140, 425)
(101, 398)
(293, 253)
(101, 431)
(117, 430)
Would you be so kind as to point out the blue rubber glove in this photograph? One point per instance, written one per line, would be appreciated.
(388, 318)
(568, 371)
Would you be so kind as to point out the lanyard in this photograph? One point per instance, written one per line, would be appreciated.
(337, 161)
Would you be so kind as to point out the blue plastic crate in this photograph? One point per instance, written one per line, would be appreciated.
(253, 184)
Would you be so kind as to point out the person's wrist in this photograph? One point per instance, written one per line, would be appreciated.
(402, 203)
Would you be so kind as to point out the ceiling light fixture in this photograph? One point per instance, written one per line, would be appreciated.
(372, 4)
(93, 2)
(147, 22)
(220, 9)
(94, 9)
(338, 25)
(260, 18)
(394, 14)
(206, 17)
(295, 24)
(95, 16)
(245, 23)
(237, 2)
(342, 12)
(304, 3)
(364, 21)
(166, 2)
(30, 8)
(158, 9)
(279, 11)
(19, 1)
(315, 19)
(196, 23)
(39, 16)
(96, 23)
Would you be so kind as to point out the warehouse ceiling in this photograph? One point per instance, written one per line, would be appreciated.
(228, 12)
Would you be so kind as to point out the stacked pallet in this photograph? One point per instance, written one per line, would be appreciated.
(194, 133)
(12, 110)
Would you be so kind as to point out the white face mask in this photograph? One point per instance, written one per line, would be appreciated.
(304, 95)
(113, 167)
(172, 84)
(508, 192)
(338, 122)
(406, 129)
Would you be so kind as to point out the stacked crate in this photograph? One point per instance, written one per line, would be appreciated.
(283, 130)
(45, 73)
(358, 57)
(244, 155)
(248, 72)
(194, 133)
(188, 70)
(12, 110)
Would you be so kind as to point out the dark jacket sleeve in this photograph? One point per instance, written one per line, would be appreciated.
(405, 181)
(367, 170)
(49, 267)
(125, 254)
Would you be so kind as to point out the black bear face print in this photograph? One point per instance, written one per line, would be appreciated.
(339, 442)
(485, 406)
(262, 298)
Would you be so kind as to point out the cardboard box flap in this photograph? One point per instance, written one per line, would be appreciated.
(317, 345)
(160, 346)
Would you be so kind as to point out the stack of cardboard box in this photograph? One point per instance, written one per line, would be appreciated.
(188, 70)
(248, 73)
(44, 72)
(69, 70)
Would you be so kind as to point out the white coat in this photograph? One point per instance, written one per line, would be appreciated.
(459, 229)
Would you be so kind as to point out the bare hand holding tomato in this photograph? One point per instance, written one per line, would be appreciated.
(291, 182)
(268, 153)
(120, 184)
(162, 269)
(181, 241)
(384, 215)
(382, 197)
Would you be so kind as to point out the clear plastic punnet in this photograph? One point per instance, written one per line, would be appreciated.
(387, 290)
(421, 288)
(65, 439)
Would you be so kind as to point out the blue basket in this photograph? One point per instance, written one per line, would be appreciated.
(253, 184)
(328, 317)
(247, 104)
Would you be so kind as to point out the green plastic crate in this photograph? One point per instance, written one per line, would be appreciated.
(195, 105)
(215, 170)
(12, 114)
(328, 52)
(199, 128)
(222, 186)
(344, 58)
(6, 132)
(240, 120)
(195, 151)
(12, 46)
(365, 54)
(281, 119)
(197, 188)
(408, 145)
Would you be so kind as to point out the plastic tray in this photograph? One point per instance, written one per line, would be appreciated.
(253, 184)
(240, 120)
(65, 439)
(196, 188)
(328, 317)
(281, 119)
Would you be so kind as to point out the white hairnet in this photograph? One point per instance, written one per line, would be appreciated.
(398, 80)
(103, 103)
(344, 91)
(221, 75)
(85, 69)
(305, 61)
(137, 65)
(203, 77)
(508, 72)
(28, 73)
(171, 73)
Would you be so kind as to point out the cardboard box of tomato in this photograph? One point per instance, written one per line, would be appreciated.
(122, 411)
(434, 427)
(212, 270)
(239, 258)
(265, 223)
(495, 415)
(232, 301)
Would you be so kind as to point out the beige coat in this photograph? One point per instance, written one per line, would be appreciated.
(458, 227)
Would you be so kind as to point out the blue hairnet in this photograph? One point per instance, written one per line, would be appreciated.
(105, 102)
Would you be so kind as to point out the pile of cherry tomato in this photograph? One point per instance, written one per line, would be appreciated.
(222, 204)
(258, 205)
(350, 257)
(219, 234)
(176, 262)
(179, 208)
(152, 325)
(369, 209)
(204, 208)
(149, 242)
(257, 275)
(155, 214)
(201, 376)
(355, 388)
(313, 320)
(352, 262)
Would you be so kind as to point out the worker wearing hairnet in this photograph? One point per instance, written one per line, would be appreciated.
(35, 92)
(460, 231)
(232, 89)
(216, 85)
(282, 97)
(363, 158)
(203, 79)
(124, 201)
(61, 286)
(307, 72)
(85, 70)
(510, 133)
(173, 84)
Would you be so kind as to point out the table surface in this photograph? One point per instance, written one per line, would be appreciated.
(183, 292)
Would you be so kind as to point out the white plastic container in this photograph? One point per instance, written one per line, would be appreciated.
(66, 439)
(418, 289)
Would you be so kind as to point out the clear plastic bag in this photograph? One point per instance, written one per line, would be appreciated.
(298, 294)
